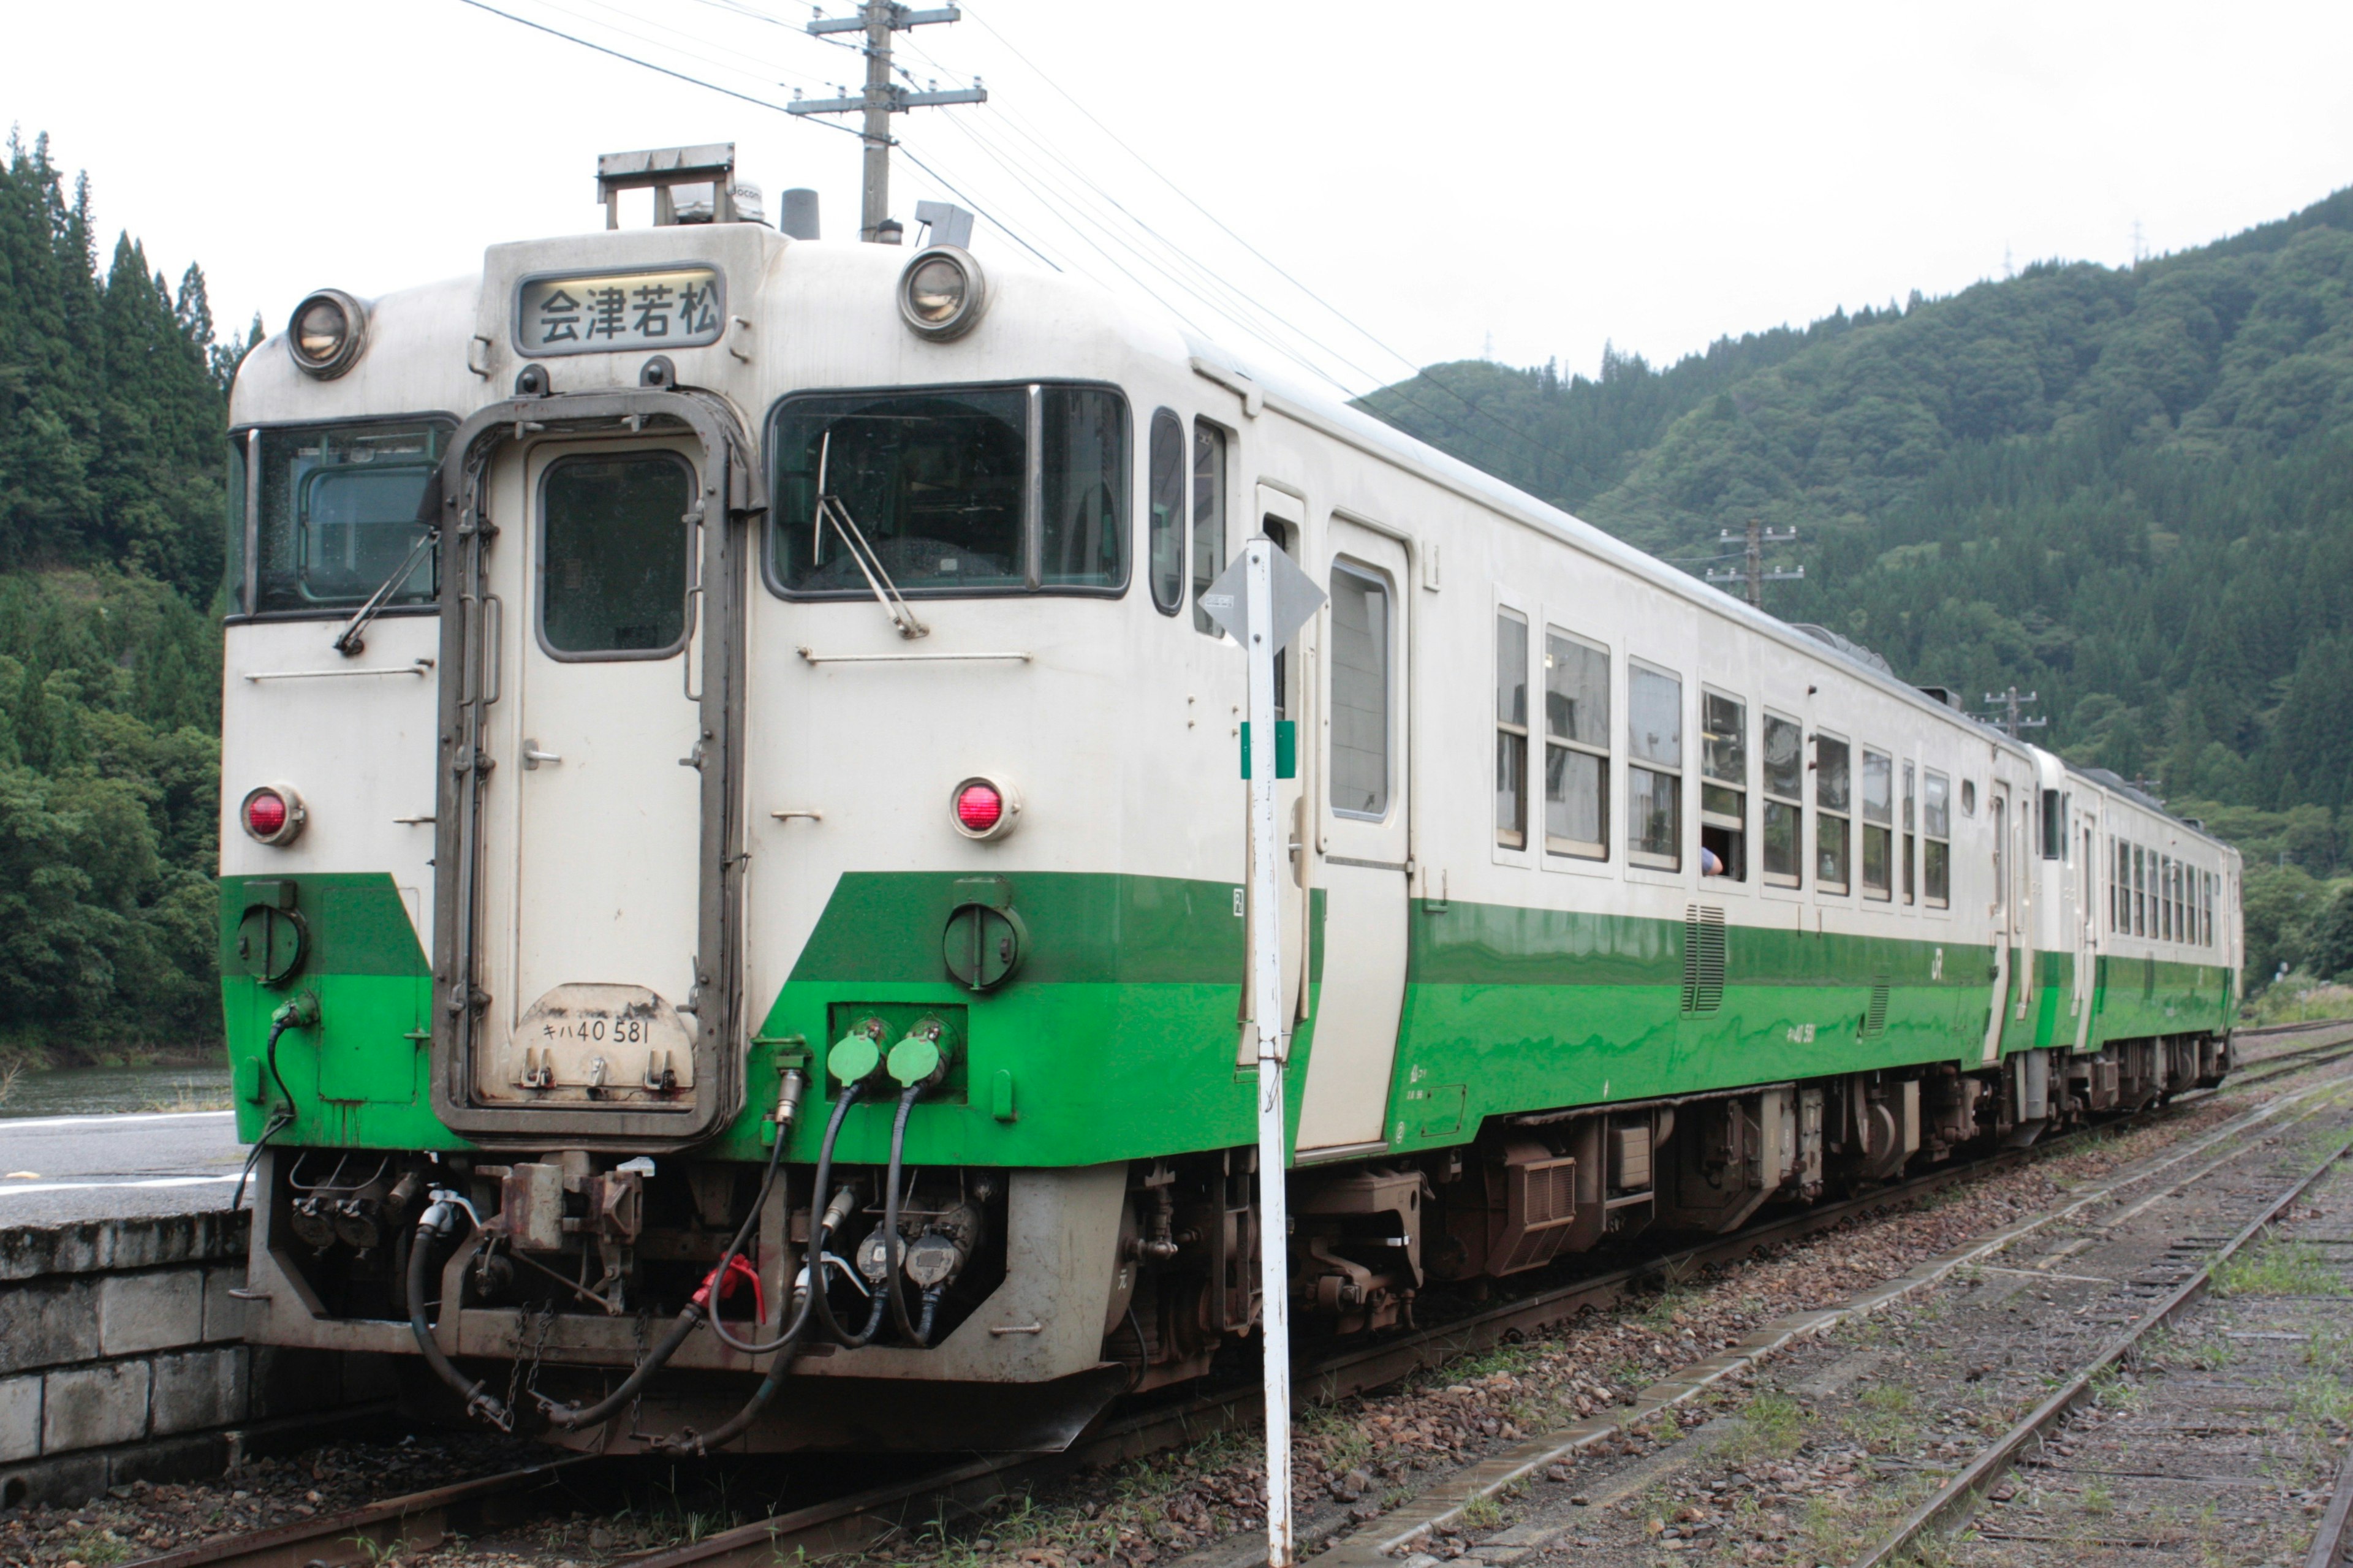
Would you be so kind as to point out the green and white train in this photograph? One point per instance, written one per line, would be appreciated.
(724, 765)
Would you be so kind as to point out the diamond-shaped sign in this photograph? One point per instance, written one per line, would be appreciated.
(1296, 599)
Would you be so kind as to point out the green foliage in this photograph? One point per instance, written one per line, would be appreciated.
(112, 407)
(2127, 489)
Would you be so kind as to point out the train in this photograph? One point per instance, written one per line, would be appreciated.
(732, 856)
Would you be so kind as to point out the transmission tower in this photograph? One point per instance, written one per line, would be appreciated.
(1752, 570)
(2008, 716)
(878, 19)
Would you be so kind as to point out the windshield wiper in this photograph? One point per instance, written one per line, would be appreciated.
(869, 565)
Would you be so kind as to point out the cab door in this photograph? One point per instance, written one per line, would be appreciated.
(587, 873)
(605, 821)
(1360, 855)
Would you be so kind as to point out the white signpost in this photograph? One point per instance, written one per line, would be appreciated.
(1261, 600)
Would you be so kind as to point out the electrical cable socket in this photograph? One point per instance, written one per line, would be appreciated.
(298, 1012)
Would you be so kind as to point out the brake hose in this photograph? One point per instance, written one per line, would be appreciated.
(299, 1012)
(438, 1219)
(570, 1418)
(817, 1299)
(890, 1286)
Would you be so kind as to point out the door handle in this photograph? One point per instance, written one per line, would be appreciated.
(532, 756)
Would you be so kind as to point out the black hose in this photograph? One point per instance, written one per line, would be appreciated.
(890, 1286)
(687, 1440)
(932, 1294)
(437, 1217)
(817, 1232)
(572, 1419)
(816, 1288)
(281, 1117)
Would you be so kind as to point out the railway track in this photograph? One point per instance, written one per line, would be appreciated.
(860, 1521)
(1960, 1496)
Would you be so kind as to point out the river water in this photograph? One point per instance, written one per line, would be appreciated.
(90, 1091)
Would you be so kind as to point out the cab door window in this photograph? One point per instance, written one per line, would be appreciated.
(613, 551)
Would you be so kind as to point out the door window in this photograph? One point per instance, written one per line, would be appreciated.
(1209, 518)
(614, 542)
(1935, 840)
(1360, 694)
(1511, 729)
(1878, 824)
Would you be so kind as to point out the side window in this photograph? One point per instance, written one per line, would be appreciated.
(1511, 729)
(1164, 546)
(2119, 884)
(1360, 693)
(1723, 786)
(1834, 801)
(1785, 794)
(613, 555)
(1208, 517)
(1654, 774)
(1909, 825)
(1935, 840)
(1084, 479)
(1878, 824)
(1577, 747)
(2139, 892)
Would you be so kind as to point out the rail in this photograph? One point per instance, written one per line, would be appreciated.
(1960, 1496)
(864, 1520)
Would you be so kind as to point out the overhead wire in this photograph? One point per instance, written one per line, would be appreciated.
(1176, 264)
(649, 65)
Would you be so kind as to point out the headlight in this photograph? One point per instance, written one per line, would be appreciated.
(942, 292)
(326, 333)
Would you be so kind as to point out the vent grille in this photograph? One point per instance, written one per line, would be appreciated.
(1703, 958)
(1874, 1017)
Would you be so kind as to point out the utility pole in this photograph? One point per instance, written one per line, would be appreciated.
(2006, 715)
(1753, 571)
(878, 19)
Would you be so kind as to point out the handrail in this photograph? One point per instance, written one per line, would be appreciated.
(422, 667)
(906, 657)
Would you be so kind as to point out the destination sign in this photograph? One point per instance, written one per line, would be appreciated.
(681, 308)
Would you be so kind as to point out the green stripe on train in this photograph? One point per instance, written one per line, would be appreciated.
(1121, 1038)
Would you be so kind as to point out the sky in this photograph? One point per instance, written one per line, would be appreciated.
(1359, 188)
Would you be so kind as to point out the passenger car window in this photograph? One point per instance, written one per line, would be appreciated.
(613, 554)
(1878, 824)
(1654, 783)
(1724, 783)
(1831, 842)
(1935, 840)
(1785, 812)
(1577, 747)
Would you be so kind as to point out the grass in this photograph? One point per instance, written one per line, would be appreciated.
(1483, 1513)
(2289, 1002)
(97, 1548)
(1772, 1426)
(2277, 1268)
(186, 1099)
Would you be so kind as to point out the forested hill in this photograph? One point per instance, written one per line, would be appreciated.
(112, 410)
(2129, 489)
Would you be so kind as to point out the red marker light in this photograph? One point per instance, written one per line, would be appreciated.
(272, 814)
(265, 813)
(979, 807)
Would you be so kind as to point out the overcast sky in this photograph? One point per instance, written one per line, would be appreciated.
(1549, 176)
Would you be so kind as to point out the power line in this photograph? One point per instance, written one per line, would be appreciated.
(633, 60)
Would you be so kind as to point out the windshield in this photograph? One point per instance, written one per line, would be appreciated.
(338, 514)
(937, 483)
